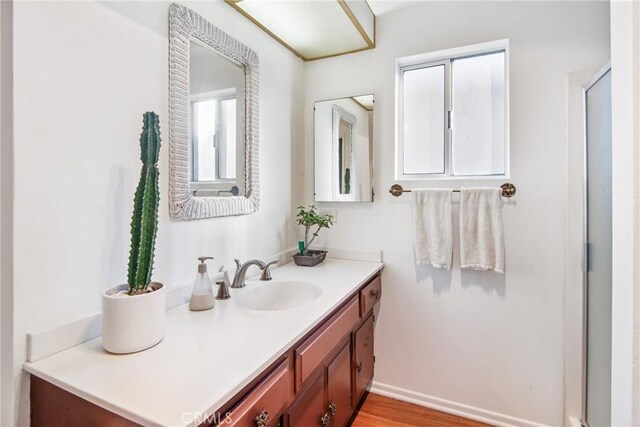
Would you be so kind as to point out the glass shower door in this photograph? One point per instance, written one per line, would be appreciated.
(598, 251)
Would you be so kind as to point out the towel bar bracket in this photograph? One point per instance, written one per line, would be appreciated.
(508, 190)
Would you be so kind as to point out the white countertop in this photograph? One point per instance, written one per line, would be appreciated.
(206, 357)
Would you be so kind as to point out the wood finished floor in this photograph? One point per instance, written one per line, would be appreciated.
(380, 411)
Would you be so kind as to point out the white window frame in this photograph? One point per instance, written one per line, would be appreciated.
(439, 58)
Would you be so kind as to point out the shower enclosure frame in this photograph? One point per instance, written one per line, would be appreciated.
(585, 242)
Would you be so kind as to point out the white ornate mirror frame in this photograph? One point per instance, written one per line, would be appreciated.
(185, 24)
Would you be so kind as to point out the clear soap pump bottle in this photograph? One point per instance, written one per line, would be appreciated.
(202, 296)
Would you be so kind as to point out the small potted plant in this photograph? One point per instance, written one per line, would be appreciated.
(133, 314)
(310, 218)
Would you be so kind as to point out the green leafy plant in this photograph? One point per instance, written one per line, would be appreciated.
(309, 218)
(144, 221)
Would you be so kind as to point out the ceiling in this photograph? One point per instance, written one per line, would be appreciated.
(313, 29)
(316, 29)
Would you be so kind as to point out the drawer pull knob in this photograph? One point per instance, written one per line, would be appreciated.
(359, 366)
(262, 419)
(333, 408)
(375, 293)
(325, 420)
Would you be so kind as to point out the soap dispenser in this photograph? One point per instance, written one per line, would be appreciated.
(202, 296)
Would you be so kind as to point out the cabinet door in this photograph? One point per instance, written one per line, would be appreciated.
(316, 348)
(339, 387)
(308, 409)
(363, 358)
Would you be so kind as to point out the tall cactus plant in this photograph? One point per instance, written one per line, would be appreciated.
(347, 181)
(144, 221)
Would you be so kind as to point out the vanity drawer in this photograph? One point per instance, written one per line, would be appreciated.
(313, 351)
(267, 400)
(370, 295)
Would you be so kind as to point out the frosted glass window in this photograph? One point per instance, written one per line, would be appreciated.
(424, 120)
(453, 111)
(478, 110)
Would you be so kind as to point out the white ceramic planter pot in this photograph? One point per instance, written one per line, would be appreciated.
(133, 323)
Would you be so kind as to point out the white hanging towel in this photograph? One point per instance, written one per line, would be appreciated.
(481, 229)
(433, 227)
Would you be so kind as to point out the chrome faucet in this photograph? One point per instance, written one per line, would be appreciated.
(241, 272)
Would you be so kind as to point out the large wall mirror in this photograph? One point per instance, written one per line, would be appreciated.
(213, 120)
(343, 147)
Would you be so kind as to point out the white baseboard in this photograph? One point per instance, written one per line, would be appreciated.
(454, 408)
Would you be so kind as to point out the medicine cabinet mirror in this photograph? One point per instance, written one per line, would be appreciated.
(213, 120)
(343, 146)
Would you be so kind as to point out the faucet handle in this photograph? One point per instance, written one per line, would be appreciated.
(238, 263)
(223, 290)
(266, 272)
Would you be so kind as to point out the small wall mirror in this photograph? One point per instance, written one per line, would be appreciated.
(213, 120)
(343, 146)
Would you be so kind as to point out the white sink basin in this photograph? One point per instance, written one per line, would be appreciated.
(279, 295)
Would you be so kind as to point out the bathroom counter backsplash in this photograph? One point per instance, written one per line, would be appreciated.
(206, 357)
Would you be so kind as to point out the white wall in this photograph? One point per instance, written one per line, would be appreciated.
(85, 74)
(487, 341)
(6, 210)
(625, 87)
(483, 344)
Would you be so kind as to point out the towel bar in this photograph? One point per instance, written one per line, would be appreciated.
(508, 190)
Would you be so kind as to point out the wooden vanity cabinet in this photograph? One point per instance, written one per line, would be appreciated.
(332, 366)
(318, 382)
(338, 354)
